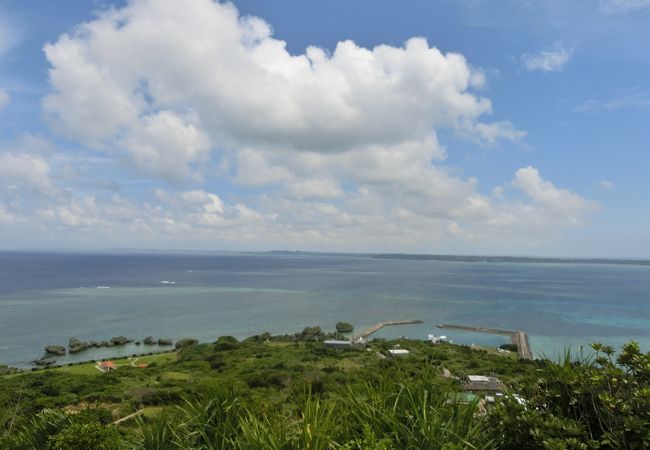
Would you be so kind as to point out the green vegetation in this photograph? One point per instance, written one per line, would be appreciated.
(185, 342)
(6, 370)
(290, 393)
(344, 327)
(582, 402)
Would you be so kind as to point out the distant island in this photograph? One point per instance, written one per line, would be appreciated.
(474, 258)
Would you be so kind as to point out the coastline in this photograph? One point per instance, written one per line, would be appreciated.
(359, 337)
(45, 299)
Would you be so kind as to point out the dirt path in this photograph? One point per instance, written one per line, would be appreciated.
(130, 416)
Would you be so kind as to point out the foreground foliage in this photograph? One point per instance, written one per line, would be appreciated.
(278, 393)
(583, 402)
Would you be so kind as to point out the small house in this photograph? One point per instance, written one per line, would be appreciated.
(361, 341)
(108, 365)
(436, 339)
(483, 384)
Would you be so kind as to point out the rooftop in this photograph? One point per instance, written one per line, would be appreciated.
(398, 351)
(108, 365)
(483, 383)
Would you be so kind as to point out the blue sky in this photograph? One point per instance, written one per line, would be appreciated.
(502, 128)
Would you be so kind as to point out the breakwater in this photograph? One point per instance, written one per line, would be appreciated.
(518, 338)
(378, 326)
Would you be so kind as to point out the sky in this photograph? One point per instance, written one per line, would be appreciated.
(462, 127)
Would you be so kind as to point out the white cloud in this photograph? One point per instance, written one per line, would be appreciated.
(366, 218)
(164, 144)
(25, 167)
(187, 216)
(497, 131)
(28, 171)
(315, 188)
(548, 60)
(5, 99)
(624, 6)
(606, 185)
(561, 204)
(225, 77)
(343, 146)
(9, 36)
(6, 217)
(634, 97)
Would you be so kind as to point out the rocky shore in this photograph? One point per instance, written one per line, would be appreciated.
(76, 345)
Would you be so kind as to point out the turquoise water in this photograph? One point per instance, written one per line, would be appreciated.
(47, 298)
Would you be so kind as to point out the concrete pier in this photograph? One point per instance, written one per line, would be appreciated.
(519, 338)
(376, 327)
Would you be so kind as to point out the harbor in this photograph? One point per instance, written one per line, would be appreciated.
(518, 338)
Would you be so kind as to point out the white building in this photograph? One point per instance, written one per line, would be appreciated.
(333, 343)
(435, 339)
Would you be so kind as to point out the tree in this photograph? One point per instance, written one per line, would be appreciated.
(344, 327)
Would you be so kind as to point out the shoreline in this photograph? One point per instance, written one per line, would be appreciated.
(18, 370)
(321, 337)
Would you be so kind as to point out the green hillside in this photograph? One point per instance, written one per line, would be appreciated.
(291, 393)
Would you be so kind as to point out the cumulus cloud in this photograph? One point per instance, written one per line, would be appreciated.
(324, 188)
(495, 132)
(164, 144)
(548, 60)
(194, 216)
(5, 99)
(561, 203)
(340, 148)
(367, 218)
(25, 166)
(25, 170)
(229, 81)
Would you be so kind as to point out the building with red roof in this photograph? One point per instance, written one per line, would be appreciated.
(107, 365)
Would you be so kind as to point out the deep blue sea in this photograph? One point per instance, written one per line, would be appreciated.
(46, 298)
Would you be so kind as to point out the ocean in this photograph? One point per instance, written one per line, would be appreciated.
(46, 298)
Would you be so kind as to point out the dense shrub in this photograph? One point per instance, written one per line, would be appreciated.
(85, 436)
(225, 343)
(310, 334)
(344, 327)
(185, 342)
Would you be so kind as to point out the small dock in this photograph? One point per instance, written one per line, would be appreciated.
(519, 338)
(378, 326)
